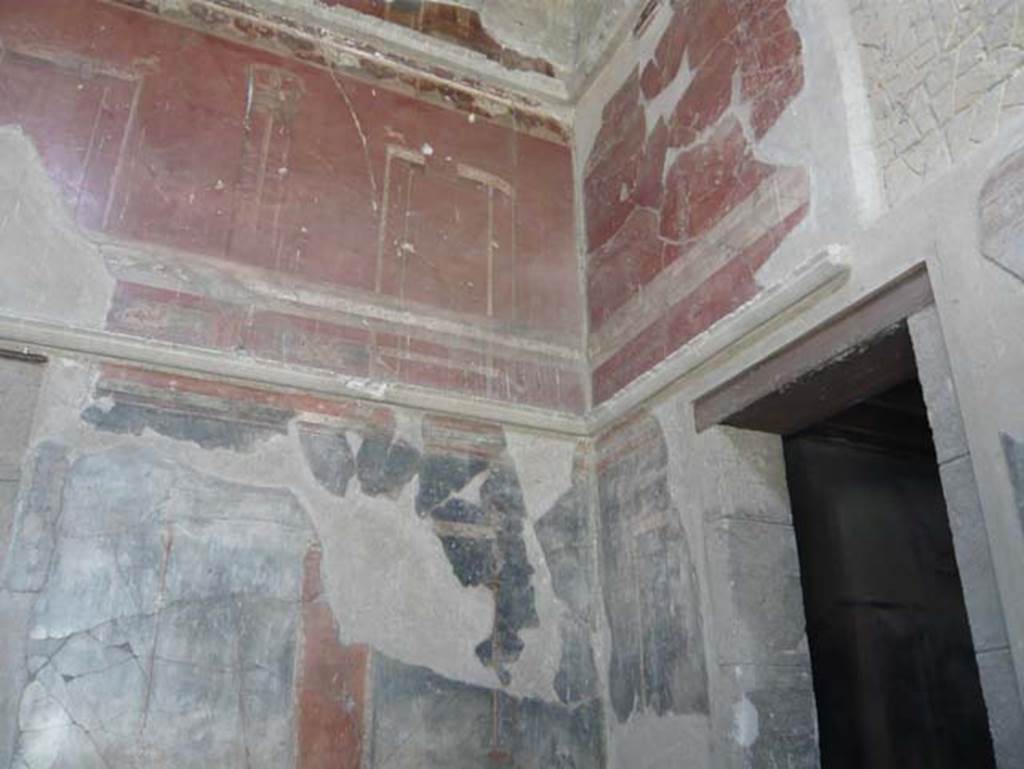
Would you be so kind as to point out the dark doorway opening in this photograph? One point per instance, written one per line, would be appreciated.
(895, 676)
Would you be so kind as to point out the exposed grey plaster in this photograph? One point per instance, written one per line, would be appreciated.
(766, 718)
(40, 246)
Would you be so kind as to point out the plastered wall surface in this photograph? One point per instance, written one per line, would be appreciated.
(679, 212)
(941, 78)
(707, 657)
(311, 577)
(209, 574)
(252, 204)
(960, 221)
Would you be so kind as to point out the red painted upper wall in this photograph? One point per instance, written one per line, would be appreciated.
(262, 165)
(171, 137)
(680, 213)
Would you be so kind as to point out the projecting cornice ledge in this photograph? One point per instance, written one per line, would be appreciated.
(771, 310)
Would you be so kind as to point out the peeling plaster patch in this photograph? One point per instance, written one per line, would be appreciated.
(482, 526)
(41, 246)
(422, 719)
(385, 573)
(746, 729)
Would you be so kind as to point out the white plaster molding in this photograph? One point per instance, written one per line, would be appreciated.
(29, 336)
(773, 306)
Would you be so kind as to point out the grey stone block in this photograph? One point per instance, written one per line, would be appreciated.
(1005, 712)
(745, 473)
(973, 555)
(766, 718)
(758, 599)
(937, 384)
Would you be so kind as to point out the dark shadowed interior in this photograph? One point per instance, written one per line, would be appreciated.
(894, 668)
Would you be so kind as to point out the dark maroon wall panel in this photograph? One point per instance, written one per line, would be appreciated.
(299, 177)
(680, 214)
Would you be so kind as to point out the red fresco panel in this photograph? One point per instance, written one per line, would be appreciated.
(83, 114)
(229, 152)
(331, 690)
(709, 184)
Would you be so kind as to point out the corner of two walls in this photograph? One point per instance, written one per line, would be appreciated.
(681, 205)
(705, 649)
(910, 162)
(678, 613)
